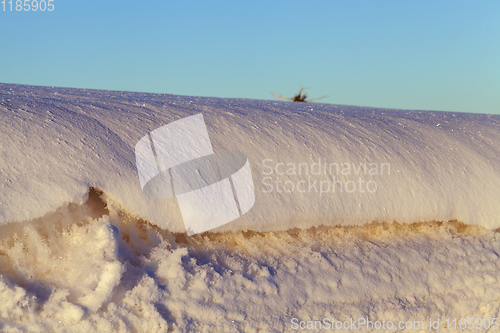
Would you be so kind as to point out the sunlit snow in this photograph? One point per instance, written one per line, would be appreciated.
(359, 213)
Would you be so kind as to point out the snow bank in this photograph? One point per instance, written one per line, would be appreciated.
(82, 249)
(312, 164)
(76, 271)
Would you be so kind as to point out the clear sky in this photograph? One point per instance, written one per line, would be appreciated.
(425, 54)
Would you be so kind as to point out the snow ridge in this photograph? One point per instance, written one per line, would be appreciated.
(405, 166)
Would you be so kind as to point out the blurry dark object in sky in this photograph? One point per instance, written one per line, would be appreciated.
(298, 97)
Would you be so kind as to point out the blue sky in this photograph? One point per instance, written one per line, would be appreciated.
(426, 54)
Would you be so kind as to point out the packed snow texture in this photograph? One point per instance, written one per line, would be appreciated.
(82, 249)
(312, 164)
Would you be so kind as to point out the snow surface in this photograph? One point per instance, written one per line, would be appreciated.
(82, 249)
(57, 143)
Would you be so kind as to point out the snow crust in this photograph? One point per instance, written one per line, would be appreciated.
(73, 271)
(312, 164)
(82, 249)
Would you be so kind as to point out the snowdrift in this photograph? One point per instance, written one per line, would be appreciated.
(360, 214)
(312, 164)
(93, 268)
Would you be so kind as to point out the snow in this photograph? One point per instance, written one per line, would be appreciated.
(56, 143)
(83, 249)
